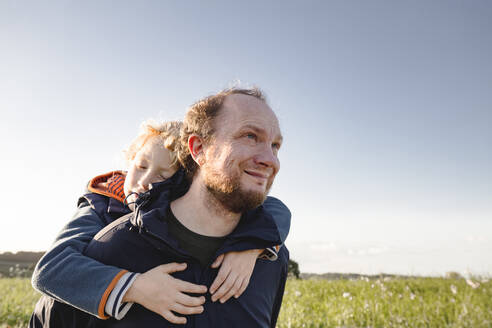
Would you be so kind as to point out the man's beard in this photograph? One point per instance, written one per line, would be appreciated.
(227, 191)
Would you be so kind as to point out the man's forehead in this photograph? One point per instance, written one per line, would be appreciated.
(243, 101)
(249, 110)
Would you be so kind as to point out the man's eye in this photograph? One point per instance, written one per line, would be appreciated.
(276, 145)
(251, 136)
(141, 167)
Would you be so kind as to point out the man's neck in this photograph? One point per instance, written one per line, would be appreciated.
(200, 212)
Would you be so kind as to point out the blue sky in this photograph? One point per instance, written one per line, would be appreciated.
(385, 108)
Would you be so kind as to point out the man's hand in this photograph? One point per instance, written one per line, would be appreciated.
(234, 274)
(161, 293)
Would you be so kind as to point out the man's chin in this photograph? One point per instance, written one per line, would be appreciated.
(255, 194)
(239, 194)
(251, 199)
(239, 201)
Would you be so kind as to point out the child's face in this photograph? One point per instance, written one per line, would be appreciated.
(151, 164)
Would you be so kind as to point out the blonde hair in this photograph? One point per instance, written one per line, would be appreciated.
(168, 132)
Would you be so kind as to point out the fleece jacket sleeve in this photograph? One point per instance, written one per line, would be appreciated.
(282, 216)
(65, 274)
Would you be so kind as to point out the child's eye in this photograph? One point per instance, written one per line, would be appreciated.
(276, 145)
(141, 167)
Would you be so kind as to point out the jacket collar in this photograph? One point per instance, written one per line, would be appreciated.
(256, 229)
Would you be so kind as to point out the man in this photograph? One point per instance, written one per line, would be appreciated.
(229, 148)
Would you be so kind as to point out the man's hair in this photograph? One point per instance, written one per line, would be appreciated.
(168, 133)
(199, 120)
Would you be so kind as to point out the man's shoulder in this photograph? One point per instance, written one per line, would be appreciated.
(283, 254)
(119, 244)
(123, 222)
(282, 260)
(267, 269)
(124, 244)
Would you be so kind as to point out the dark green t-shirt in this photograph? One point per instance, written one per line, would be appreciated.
(201, 247)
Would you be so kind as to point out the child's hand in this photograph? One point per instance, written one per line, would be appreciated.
(234, 274)
(161, 293)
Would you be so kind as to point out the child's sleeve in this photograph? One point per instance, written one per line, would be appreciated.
(64, 266)
(281, 215)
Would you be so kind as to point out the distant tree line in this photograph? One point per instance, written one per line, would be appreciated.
(293, 269)
(31, 257)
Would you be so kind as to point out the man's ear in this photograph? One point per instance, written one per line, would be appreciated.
(195, 145)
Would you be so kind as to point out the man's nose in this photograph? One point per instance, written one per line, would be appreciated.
(268, 158)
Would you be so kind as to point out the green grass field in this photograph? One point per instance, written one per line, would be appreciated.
(418, 302)
(17, 299)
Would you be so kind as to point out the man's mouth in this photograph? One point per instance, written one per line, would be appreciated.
(256, 174)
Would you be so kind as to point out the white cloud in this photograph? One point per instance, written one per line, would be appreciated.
(377, 257)
(476, 239)
(322, 246)
(368, 251)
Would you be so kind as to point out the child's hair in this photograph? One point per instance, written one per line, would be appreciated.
(168, 132)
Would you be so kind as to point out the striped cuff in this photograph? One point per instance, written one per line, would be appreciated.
(270, 253)
(114, 306)
(107, 292)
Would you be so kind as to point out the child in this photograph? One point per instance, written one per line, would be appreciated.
(151, 159)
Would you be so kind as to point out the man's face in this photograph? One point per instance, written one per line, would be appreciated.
(241, 158)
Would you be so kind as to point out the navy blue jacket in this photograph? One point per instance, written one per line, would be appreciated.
(123, 243)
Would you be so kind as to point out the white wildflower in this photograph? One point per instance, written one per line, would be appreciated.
(346, 294)
(297, 293)
(454, 289)
(412, 296)
(465, 310)
(472, 284)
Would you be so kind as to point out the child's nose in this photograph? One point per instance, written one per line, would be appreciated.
(144, 183)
